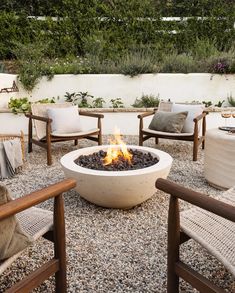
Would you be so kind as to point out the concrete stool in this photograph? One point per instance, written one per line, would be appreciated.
(220, 158)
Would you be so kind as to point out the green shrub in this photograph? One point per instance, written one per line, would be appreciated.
(138, 63)
(117, 103)
(2, 67)
(179, 64)
(31, 63)
(98, 103)
(82, 99)
(204, 48)
(21, 105)
(146, 101)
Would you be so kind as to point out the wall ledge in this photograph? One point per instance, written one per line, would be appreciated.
(129, 110)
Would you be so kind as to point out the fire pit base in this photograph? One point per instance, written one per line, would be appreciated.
(116, 189)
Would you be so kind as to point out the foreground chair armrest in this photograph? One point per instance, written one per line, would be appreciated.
(179, 232)
(57, 265)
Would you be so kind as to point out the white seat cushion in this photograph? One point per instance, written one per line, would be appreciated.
(167, 133)
(80, 133)
(193, 111)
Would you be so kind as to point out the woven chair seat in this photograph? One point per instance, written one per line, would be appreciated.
(215, 233)
(34, 221)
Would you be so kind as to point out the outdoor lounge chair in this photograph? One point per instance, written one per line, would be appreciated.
(45, 135)
(194, 135)
(211, 224)
(38, 222)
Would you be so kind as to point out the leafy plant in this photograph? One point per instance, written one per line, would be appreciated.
(207, 103)
(147, 101)
(231, 101)
(83, 97)
(117, 103)
(70, 97)
(98, 103)
(21, 105)
(220, 103)
(80, 99)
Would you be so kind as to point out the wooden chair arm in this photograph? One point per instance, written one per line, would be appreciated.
(143, 115)
(94, 115)
(201, 116)
(199, 199)
(40, 118)
(34, 198)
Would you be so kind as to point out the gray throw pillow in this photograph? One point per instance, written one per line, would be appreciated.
(12, 238)
(168, 121)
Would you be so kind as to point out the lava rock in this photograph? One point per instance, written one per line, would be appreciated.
(139, 160)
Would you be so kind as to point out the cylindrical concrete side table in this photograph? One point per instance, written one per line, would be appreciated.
(220, 158)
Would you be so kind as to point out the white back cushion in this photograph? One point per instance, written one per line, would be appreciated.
(193, 111)
(64, 120)
(41, 110)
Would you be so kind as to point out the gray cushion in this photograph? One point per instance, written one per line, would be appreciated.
(12, 238)
(168, 121)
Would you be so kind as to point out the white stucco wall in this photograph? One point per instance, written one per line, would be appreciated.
(177, 87)
(128, 123)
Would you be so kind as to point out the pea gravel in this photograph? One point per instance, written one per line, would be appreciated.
(112, 250)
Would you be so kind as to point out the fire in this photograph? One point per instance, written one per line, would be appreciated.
(117, 150)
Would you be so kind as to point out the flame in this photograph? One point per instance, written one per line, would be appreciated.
(117, 150)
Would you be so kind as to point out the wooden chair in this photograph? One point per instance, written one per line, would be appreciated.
(195, 136)
(211, 224)
(38, 222)
(44, 133)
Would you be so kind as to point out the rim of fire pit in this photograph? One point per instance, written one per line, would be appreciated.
(68, 161)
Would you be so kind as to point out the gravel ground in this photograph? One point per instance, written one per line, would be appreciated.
(114, 250)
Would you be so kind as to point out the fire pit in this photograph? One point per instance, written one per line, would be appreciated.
(106, 178)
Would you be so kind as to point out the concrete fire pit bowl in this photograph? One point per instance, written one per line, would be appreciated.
(116, 189)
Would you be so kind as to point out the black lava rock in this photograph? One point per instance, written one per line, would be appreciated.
(139, 160)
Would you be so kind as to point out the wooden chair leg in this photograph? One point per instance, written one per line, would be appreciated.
(76, 142)
(30, 136)
(203, 143)
(195, 149)
(173, 245)
(49, 155)
(48, 144)
(156, 140)
(203, 132)
(100, 138)
(100, 132)
(59, 245)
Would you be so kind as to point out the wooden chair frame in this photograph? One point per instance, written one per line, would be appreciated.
(195, 138)
(57, 265)
(176, 268)
(46, 142)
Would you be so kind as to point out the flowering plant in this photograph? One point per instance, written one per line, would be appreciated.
(221, 67)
